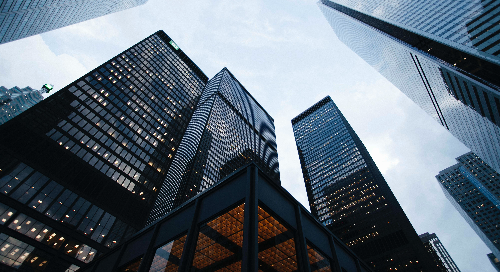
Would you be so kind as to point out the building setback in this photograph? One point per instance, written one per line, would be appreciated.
(439, 253)
(80, 171)
(473, 188)
(442, 54)
(23, 18)
(348, 194)
(246, 222)
(16, 100)
(229, 129)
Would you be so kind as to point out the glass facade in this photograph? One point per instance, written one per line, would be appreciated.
(80, 171)
(14, 101)
(23, 18)
(473, 188)
(348, 194)
(441, 257)
(228, 130)
(246, 222)
(456, 85)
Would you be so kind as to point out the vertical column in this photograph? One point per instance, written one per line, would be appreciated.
(150, 252)
(336, 263)
(250, 227)
(300, 246)
(190, 244)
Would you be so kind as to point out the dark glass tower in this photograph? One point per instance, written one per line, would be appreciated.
(229, 129)
(444, 55)
(473, 188)
(439, 253)
(348, 194)
(23, 18)
(80, 171)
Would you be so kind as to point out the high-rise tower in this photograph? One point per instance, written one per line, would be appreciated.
(444, 55)
(80, 171)
(438, 251)
(473, 187)
(23, 18)
(348, 194)
(228, 130)
(16, 100)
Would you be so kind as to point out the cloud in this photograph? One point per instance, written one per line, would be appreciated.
(30, 62)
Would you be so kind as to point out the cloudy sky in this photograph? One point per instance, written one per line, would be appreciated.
(286, 55)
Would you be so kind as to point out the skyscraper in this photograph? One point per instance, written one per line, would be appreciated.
(438, 251)
(494, 261)
(473, 187)
(348, 194)
(441, 54)
(16, 100)
(23, 18)
(80, 171)
(229, 129)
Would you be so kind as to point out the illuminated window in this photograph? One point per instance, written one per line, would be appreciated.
(317, 261)
(220, 241)
(276, 245)
(168, 257)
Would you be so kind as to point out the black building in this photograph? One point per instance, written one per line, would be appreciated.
(246, 222)
(348, 194)
(229, 129)
(80, 171)
(441, 257)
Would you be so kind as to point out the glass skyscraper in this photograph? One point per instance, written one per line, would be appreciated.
(80, 171)
(439, 252)
(441, 54)
(228, 130)
(348, 194)
(16, 100)
(473, 188)
(23, 18)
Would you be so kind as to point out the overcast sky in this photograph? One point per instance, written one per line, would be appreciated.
(288, 58)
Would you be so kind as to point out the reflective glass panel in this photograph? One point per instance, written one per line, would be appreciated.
(317, 261)
(167, 258)
(220, 241)
(276, 245)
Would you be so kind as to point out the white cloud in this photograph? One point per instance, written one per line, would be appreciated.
(30, 62)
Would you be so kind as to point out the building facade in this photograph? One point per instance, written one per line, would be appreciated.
(81, 170)
(16, 100)
(246, 222)
(494, 261)
(439, 253)
(348, 194)
(473, 188)
(23, 18)
(228, 130)
(443, 55)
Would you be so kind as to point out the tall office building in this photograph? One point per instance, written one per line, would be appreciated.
(23, 18)
(443, 55)
(229, 129)
(439, 253)
(494, 261)
(80, 171)
(16, 100)
(473, 187)
(348, 194)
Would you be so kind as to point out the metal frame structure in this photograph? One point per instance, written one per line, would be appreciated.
(250, 188)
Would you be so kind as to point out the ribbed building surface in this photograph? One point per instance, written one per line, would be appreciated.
(348, 194)
(23, 18)
(80, 171)
(228, 130)
(441, 256)
(473, 188)
(411, 44)
(16, 100)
